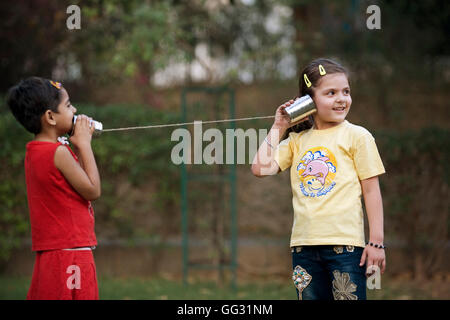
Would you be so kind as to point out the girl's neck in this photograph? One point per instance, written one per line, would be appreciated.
(322, 125)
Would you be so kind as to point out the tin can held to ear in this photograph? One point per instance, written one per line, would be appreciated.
(301, 108)
(98, 126)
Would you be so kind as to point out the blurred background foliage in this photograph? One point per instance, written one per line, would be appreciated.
(130, 59)
(120, 39)
(128, 162)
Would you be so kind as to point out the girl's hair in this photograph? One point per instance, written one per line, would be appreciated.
(30, 98)
(313, 74)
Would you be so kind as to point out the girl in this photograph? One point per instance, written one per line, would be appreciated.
(60, 187)
(332, 162)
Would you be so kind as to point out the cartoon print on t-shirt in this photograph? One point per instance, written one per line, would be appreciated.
(316, 170)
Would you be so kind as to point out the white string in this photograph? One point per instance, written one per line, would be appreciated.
(184, 124)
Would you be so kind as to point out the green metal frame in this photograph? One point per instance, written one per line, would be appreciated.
(229, 178)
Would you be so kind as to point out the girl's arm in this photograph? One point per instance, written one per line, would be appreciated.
(83, 176)
(374, 207)
(264, 163)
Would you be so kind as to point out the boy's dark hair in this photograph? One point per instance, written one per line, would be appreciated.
(313, 74)
(30, 98)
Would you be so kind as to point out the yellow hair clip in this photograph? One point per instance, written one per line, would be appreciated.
(308, 83)
(322, 70)
(57, 85)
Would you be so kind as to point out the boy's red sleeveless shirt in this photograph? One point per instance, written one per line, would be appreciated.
(60, 217)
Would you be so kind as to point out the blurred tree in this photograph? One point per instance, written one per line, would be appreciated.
(409, 30)
(31, 38)
(249, 40)
(123, 39)
(412, 44)
(133, 39)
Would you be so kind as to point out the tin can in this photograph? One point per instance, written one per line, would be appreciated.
(98, 126)
(301, 108)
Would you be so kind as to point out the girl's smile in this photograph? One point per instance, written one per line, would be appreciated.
(340, 108)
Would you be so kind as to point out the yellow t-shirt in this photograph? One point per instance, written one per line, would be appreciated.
(326, 169)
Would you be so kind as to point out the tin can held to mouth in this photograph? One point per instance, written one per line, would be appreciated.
(301, 108)
(98, 126)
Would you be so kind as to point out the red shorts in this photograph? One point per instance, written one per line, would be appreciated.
(64, 275)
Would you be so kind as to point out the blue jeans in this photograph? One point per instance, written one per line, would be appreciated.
(328, 272)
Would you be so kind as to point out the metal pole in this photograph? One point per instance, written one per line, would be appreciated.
(184, 207)
(233, 201)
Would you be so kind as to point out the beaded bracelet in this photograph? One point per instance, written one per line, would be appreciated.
(379, 246)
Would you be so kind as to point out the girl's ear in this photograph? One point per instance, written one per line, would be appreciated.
(49, 117)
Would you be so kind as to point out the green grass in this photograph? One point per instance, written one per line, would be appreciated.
(161, 289)
(16, 288)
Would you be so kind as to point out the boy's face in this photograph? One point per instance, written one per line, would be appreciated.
(64, 116)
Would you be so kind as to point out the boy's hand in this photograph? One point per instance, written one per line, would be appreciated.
(83, 174)
(82, 133)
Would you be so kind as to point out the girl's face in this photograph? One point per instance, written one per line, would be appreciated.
(332, 99)
(64, 116)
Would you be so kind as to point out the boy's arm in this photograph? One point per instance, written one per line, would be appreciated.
(374, 207)
(83, 176)
(86, 182)
(77, 153)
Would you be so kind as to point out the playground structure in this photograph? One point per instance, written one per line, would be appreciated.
(208, 193)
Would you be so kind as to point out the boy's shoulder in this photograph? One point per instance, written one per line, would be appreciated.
(42, 145)
(44, 149)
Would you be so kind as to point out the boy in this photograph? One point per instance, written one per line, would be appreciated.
(60, 187)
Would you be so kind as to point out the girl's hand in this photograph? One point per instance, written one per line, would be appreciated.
(82, 133)
(282, 120)
(375, 257)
